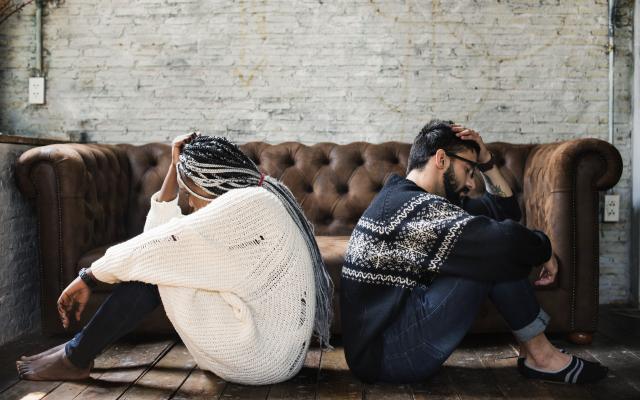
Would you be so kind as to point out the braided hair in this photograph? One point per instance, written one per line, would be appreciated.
(216, 165)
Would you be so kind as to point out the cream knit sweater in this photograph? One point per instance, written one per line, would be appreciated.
(235, 278)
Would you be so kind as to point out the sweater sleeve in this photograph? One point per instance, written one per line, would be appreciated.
(492, 250)
(188, 252)
(496, 207)
(161, 212)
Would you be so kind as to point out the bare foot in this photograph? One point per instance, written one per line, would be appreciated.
(51, 367)
(44, 353)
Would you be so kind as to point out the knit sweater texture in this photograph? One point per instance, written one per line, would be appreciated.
(235, 278)
(406, 238)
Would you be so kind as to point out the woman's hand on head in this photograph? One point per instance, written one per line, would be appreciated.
(72, 301)
(177, 145)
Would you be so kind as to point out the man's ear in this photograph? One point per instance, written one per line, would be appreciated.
(441, 159)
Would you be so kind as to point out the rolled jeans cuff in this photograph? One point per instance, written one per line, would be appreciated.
(534, 328)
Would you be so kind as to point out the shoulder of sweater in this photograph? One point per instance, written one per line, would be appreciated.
(246, 199)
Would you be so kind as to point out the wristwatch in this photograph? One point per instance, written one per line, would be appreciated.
(86, 278)
(484, 167)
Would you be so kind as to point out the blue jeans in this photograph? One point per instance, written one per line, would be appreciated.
(120, 313)
(436, 318)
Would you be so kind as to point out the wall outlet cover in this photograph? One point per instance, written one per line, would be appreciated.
(611, 212)
(36, 90)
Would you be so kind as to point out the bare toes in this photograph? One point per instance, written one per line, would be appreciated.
(27, 376)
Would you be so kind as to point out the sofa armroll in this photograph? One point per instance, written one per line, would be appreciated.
(81, 195)
(561, 198)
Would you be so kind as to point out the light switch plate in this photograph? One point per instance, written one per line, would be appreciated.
(36, 90)
(611, 208)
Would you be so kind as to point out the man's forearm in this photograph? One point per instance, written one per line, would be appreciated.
(495, 183)
(169, 190)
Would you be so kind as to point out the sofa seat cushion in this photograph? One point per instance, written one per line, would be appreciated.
(333, 249)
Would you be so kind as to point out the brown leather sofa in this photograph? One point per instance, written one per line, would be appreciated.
(91, 196)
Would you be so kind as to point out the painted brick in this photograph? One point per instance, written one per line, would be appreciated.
(312, 71)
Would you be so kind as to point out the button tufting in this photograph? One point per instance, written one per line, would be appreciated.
(342, 189)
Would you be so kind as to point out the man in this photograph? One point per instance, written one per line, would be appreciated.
(424, 257)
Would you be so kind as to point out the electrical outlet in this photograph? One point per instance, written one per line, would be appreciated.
(36, 90)
(611, 208)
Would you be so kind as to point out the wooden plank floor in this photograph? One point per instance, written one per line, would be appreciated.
(482, 368)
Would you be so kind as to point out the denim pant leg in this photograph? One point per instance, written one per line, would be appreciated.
(517, 303)
(435, 320)
(429, 328)
(120, 313)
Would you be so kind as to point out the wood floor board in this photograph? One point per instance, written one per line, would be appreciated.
(624, 367)
(382, 391)
(437, 387)
(127, 366)
(108, 359)
(27, 345)
(501, 360)
(30, 390)
(201, 385)
(234, 391)
(164, 378)
(336, 380)
(304, 385)
(611, 387)
(469, 378)
(156, 369)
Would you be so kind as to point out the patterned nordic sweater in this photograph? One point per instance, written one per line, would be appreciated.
(405, 238)
(235, 278)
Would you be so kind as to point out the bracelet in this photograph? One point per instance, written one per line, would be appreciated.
(87, 279)
(484, 167)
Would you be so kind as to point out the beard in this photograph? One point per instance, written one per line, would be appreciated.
(450, 185)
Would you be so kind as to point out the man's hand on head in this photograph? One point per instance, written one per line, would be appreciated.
(469, 134)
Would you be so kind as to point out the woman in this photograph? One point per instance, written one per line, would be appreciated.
(241, 278)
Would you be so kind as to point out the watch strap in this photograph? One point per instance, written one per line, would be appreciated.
(484, 167)
(86, 278)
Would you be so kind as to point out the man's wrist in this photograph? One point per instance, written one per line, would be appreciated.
(485, 166)
(484, 156)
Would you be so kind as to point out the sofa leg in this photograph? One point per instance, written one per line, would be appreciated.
(581, 338)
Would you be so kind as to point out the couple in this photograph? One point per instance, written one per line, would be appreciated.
(243, 283)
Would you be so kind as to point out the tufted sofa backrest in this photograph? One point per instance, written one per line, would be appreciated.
(333, 183)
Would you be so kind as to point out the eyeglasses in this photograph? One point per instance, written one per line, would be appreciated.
(473, 164)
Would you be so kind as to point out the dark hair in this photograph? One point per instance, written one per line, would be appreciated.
(437, 134)
(216, 165)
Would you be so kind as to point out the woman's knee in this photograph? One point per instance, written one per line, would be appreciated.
(136, 294)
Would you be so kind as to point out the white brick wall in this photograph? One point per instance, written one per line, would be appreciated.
(519, 71)
(19, 271)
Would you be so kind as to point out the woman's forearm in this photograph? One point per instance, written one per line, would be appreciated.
(169, 190)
